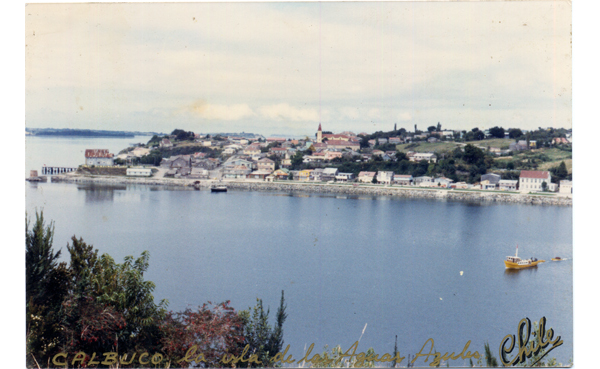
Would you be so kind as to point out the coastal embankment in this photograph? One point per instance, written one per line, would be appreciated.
(331, 188)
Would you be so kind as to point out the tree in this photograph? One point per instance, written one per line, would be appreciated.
(472, 154)
(544, 186)
(439, 127)
(431, 129)
(215, 332)
(374, 180)
(561, 171)
(490, 360)
(400, 155)
(297, 159)
(117, 294)
(497, 132)
(265, 341)
(46, 283)
(479, 135)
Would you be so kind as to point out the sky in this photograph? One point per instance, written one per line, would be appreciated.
(283, 68)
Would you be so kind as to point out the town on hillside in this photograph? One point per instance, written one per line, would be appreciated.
(496, 159)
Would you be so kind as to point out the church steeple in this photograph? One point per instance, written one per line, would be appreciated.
(319, 134)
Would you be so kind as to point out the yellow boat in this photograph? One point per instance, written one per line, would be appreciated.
(515, 262)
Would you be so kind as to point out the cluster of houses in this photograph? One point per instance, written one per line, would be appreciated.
(248, 158)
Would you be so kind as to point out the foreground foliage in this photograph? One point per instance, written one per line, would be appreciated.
(96, 305)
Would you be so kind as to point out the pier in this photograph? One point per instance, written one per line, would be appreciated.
(56, 170)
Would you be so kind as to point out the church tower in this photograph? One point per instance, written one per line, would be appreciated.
(319, 134)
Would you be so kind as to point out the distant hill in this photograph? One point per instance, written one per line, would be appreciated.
(241, 134)
(68, 132)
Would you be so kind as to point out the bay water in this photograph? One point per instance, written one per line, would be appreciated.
(414, 268)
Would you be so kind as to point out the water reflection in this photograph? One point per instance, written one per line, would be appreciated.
(514, 273)
(100, 193)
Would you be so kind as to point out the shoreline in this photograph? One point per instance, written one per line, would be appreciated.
(333, 188)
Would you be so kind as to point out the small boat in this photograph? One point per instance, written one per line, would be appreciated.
(515, 262)
(557, 258)
(218, 189)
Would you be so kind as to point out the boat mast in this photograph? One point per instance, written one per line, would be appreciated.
(517, 253)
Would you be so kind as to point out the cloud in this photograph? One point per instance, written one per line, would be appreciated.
(350, 113)
(404, 116)
(284, 111)
(220, 112)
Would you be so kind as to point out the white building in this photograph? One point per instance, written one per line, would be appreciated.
(532, 180)
(99, 157)
(139, 172)
(428, 156)
(566, 187)
(508, 184)
(385, 177)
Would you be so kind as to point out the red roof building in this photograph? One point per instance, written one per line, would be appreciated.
(98, 153)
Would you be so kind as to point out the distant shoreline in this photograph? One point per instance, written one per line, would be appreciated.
(67, 132)
(337, 188)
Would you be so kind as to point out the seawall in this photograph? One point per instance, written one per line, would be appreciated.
(348, 189)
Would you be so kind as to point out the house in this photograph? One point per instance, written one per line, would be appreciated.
(330, 155)
(139, 172)
(276, 139)
(259, 174)
(423, 181)
(165, 142)
(491, 177)
(286, 163)
(486, 185)
(238, 171)
(344, 177)
(329, 174)
(198, 173)
(372, 142)
(427, 156)
(366, 177)
(265, 164)
(277, 151)
(317, 174)
(229, 151)
(304, 175)
(566, 187)
(443, 182)
(403, 179)
(238, 161)
(532, 144)
(461, 185)
(252, 150)
(99, 157)
(559, 141)
(281, 174)
(209, 163)
(507, 184)
(385, 177)
(532, 180)
(382, 141)
(342, 144)
(395, 140)
(180, 161)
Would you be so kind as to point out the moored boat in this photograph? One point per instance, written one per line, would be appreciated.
(218, 189)
(515, 262)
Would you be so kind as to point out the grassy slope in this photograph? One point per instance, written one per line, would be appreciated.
(428, 147)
